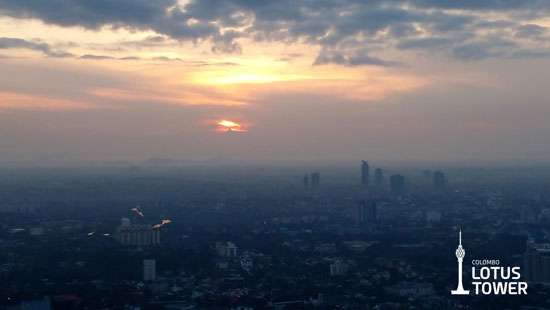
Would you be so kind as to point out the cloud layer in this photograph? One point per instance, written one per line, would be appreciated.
(348, 32)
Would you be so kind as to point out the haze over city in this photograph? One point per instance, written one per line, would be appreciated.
(274, 154)
(301, 81)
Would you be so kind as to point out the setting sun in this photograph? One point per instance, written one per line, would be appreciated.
(230, 126)
(301, 154)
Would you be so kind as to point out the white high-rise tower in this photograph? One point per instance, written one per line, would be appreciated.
(149, 270)
(460, 253)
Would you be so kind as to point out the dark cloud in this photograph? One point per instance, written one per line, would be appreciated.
(358, 58)
(96, 57)
(90, 14)
(530, 53)
(130, 58)
(164, 58)
(492, 5)
(150, 41)
(190, 63)
(9, 43)
(226, 43)
(107, 57)
(46, 49)
(341, 26)
(494, 47)
(531, 31)
(425, 43)
(161, 16)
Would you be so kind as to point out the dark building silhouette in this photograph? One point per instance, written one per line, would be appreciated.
(306, 181)
(366, 212)
(315, 179)
(536, 263)
(378, 177)
(440, 182)
(365, 173)
(427, 173)
(397, 184)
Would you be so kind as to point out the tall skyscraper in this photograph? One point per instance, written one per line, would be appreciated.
(440, 182)
(378, 177)
(397, 184)
(149, 270)
(315, 180)
(365, 173)
(366, 212)
(305, 181)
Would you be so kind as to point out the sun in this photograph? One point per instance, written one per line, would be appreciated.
(229, 126)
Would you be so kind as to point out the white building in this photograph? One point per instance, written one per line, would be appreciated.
(149, 270)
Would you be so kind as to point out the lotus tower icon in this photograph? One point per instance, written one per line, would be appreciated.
(460, 253)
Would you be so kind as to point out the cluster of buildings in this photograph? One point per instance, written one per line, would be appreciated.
(137, 234)
(312, 181)
(386, 243)
(537, 263)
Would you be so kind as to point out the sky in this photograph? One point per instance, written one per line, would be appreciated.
(286, 81)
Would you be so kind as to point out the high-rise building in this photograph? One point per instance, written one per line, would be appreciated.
(306, 181)
(536, 262)
(440, 182)
(226, 249)
(366, 212)
(365, 173)
(378, 177)
(372, 212)
(397, 184)
(361, 215)
(149, 270)
(338, 268)
(315, 180)
(137, 235)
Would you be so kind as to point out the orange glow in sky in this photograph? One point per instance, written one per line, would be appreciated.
(230, 126)
(243, 81)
